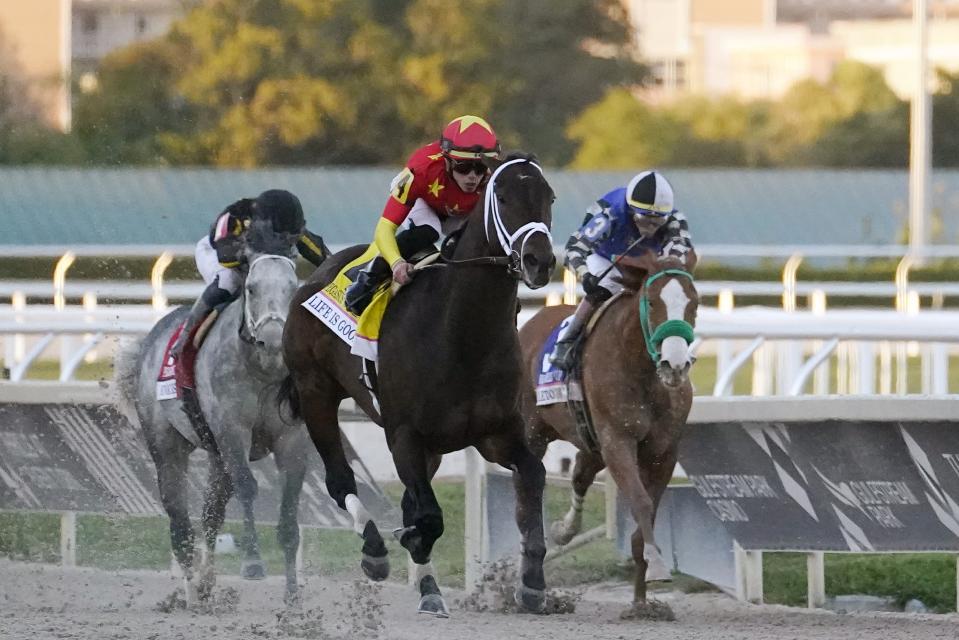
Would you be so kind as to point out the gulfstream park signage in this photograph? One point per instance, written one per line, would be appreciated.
(851, 484)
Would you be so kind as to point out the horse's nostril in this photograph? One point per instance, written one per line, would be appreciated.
(530, 261)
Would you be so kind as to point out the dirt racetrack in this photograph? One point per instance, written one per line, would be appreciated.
(41, 602)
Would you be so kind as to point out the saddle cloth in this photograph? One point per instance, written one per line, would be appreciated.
(551, 383)
(361, 334)
(167, 388)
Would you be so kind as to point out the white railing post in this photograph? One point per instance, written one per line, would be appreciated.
(159, 300)
(475, 518)
(68, 539)
(815, 579)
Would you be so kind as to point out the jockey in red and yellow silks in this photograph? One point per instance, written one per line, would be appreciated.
(429, 198)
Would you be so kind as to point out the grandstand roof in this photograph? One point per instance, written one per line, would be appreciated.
(66, 206)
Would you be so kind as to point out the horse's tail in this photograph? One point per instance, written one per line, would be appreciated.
(288, 395)
(126, 367)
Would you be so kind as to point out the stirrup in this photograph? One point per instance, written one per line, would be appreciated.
(356, 303)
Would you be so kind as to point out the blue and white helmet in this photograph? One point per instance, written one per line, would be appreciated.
(649, 194)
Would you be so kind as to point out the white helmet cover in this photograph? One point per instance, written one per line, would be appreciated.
(649, 193)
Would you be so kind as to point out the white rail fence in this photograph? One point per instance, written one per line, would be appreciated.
(787, 351)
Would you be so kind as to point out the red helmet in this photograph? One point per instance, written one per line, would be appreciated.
(469, 138)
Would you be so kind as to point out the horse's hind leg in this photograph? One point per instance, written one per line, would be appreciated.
(319, 404)
(622, 460)
(218, 493)
(290, 459)
(529, 482)
(584, 472)
(422, 517)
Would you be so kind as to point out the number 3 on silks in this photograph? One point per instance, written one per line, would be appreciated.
(596, 228)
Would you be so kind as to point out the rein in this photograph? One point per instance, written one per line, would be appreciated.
(668, 329)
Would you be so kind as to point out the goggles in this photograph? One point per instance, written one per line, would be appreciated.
(467, 167)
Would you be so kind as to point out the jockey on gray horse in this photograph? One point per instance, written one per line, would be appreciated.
(219, 259)
(631, 221)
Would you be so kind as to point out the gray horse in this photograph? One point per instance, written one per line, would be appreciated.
(237, 371)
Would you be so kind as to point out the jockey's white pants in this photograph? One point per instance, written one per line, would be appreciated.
(210, 268)
(596, 265)
(423, 214)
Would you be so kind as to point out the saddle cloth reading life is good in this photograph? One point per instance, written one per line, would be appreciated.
(362, 334)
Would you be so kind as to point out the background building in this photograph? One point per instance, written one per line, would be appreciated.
(49, 44)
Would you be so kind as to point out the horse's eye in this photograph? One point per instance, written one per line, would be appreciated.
(500, 198)
(553, 200)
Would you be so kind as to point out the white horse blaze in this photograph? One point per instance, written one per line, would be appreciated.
(674, 349)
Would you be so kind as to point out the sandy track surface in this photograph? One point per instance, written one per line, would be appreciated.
(40, 602)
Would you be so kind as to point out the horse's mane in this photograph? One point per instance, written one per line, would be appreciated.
(520, 155)
(634, 273)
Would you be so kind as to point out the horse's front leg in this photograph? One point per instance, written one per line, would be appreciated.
(620, 453)
(234, 449)
(289, 454)
(529, 481)
(422, 517)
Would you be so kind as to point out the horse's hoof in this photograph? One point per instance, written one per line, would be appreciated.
(252, 570)
(532, 600)
(559, 534)
(433, 605)
(649, 610)
(292, 599)
(376, 569)
(191, 594)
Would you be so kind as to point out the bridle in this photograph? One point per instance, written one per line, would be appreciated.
(259, 323)
(670, 328)
(512, 259)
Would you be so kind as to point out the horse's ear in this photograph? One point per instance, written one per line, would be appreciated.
(492, 164)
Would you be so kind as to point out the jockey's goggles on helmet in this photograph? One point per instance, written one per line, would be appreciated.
(467, 167)
(649, 213)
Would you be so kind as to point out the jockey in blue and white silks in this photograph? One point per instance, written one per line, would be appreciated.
(632, 221)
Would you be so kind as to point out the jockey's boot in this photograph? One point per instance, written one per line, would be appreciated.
(562, 351)
(191, 407)
(211, 297)
(368, 280)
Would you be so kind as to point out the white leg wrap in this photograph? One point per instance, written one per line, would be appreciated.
(360, 515)
(420, 571)
(573, 520)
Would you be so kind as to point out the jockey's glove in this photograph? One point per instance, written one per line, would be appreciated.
(590, 283)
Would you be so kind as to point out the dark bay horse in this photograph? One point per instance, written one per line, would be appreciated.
(449, 375)
(239, 362)
(635, 381)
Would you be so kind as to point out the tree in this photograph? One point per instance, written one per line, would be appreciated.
(251, 82)
(621, 132)
(531, 67)
(125, 118)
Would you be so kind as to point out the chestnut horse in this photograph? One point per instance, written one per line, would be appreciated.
(449, 375)
(634, 365)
